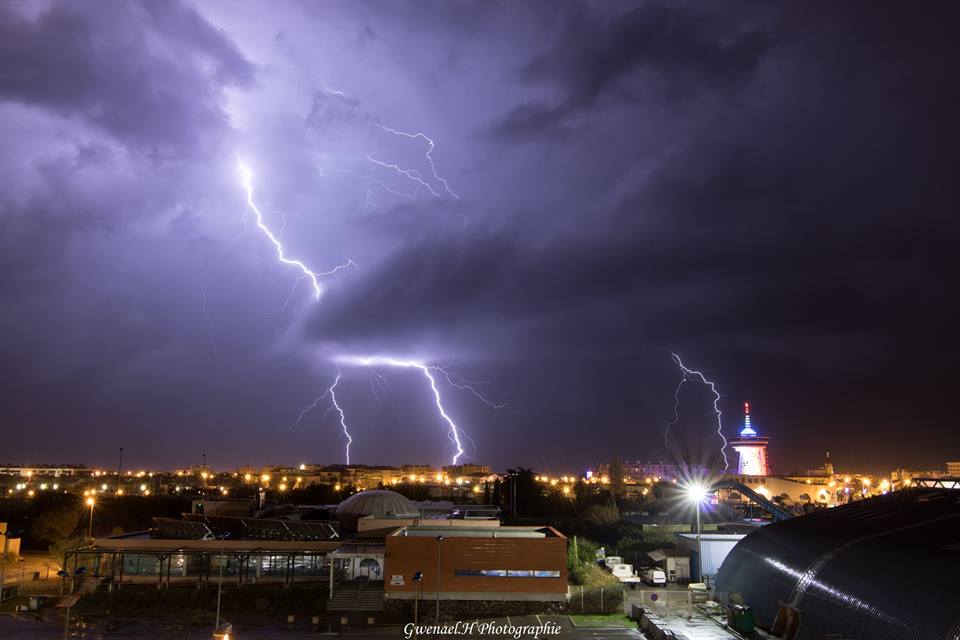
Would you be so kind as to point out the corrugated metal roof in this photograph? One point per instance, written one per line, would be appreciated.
(735, 537)
(882, 568)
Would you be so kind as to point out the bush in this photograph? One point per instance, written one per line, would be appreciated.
(581, 554)
(245, 598)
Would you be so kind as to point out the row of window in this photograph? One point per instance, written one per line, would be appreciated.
(506, 573)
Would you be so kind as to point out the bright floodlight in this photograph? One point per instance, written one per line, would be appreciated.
(90, 502)
(697, 492)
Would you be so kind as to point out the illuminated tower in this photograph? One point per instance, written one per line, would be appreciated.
(751, 447)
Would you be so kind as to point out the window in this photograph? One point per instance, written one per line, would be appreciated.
(506, 573)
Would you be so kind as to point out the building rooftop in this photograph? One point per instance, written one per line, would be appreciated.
(428, 531)
(831, 564)
(377, 502)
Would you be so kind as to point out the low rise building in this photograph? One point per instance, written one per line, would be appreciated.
(706, 552)
(674, 562)
(476, 563)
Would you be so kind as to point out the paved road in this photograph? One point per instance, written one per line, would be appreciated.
(50, 625)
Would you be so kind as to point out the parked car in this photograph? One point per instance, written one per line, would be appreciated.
(654, 576)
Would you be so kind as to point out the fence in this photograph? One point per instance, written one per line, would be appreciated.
(667, 601)
(596, 599)
(21, 581)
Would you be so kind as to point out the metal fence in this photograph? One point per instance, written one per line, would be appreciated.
(596, 599)
(667, 601)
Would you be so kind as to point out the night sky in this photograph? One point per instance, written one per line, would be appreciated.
(763, 188)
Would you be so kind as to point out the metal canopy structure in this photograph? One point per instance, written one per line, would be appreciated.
(937, 483)
(775, 512)
(182, 529)
(237, 528)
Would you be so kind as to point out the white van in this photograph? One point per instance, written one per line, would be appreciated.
(609, 561)
(654, 576)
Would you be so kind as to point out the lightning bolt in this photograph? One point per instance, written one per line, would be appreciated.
(428, 371)
(343, 419)
(688, 374)
(378, 386)
(430, 147)
(331, 392)
(413, 174)
(469, 386)
(313, 276)
(332, 95)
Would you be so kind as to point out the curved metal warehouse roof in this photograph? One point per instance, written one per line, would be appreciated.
(881, 568)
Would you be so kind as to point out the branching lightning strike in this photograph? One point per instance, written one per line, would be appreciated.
(331, 392)
(313, 276)
(454, 431)
(430, 147)
(429, 371)
(688, 374)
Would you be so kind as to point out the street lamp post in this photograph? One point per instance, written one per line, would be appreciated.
(120, 472)
(439, 540)
(90, 503)
(418, 579)
(219, 590)
(699, 545)
(698, 493)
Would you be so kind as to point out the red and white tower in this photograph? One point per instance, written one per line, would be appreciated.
(751, 447)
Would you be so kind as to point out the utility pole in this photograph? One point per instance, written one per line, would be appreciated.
(120, 471)
(90, 503)
(699, 546)
(418, 579)
(439, 540)
(219, 590)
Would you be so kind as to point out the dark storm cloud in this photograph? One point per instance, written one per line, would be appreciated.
(656, 51)
(764, 188)
(148, 73)
(802, 218)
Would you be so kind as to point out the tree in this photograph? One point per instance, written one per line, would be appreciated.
(616, 478)
(56, 524)
(523, 493)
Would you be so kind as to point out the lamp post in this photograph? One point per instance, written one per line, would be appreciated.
(90, 503)
(216, 625)
(439, 540)
(120, 472)
(697, 493)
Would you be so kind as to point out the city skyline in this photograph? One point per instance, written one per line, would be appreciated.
(489, 227)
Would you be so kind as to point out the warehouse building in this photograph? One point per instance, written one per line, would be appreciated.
(713, 547)
(883, 568)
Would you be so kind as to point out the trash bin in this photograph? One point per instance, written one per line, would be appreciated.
(740, 618)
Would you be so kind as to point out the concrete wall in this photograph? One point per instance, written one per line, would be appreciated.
(11, 545)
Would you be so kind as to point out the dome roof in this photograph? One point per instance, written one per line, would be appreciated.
(377, 502)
